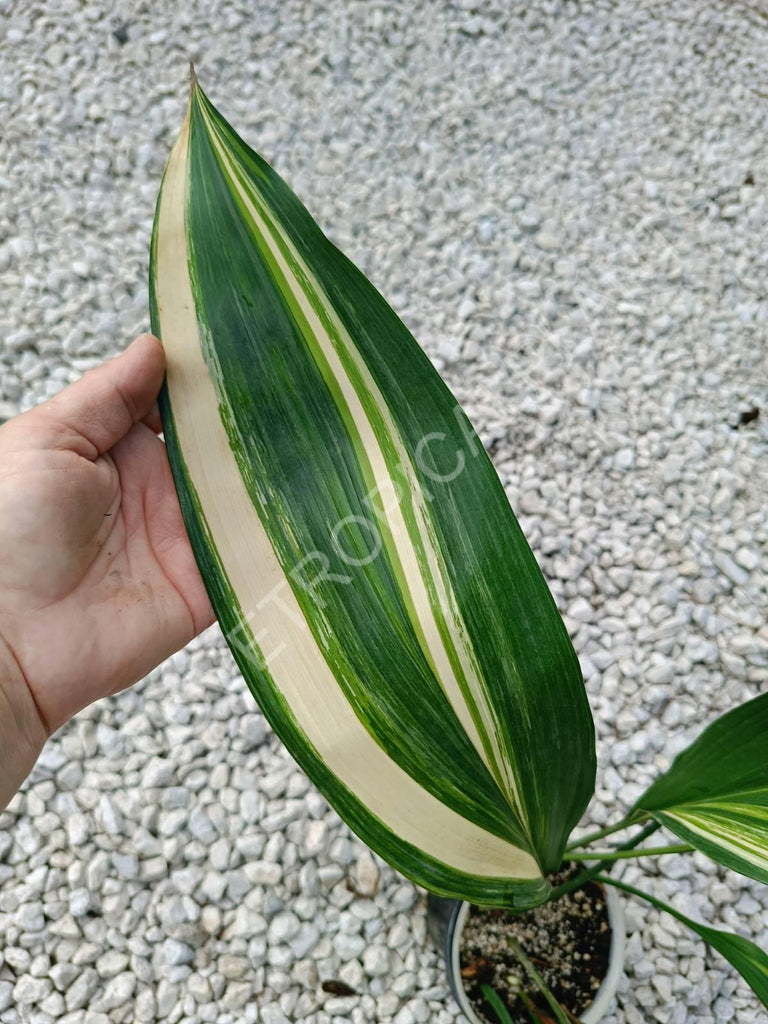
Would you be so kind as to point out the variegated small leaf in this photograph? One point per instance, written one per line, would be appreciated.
(356, 543)
(749, 960)
(715, 795)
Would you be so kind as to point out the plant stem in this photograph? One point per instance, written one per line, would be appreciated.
(589, 874)
(666, 907)
(530, 1007)
(653, 851)
(592, 837)
(542, 986)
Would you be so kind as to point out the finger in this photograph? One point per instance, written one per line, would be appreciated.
(93, 414)
(150, 505)
(153, 420)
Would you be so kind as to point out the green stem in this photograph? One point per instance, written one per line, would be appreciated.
(653, 851)
(652, 899)
(530, 1007)
(631, 819)
(542, 986)
(590, 873)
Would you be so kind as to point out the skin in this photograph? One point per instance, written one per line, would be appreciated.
(98, 583)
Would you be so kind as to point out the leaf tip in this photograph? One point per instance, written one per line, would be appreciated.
(192, 78)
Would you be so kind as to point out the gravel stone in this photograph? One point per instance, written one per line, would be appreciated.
(117, 991)
(582, 259)
(62, 975)
(366, 875)
(530, 219)
(352, 974)
(30, 918)
(177, 952)
(376, 961)
(80, 902)
(748, 559)
(316, 837)
(28, 990)
(404, 985)
(201, 827)
(304, 941)
(77, 830)
(166, 996)
(158, 772)
(145, 1007)
(272, 1014)
(729, 568)
(126, 865)
(233, 966)
(386, 1005)
(282, 928)
(81, 990)
(210, 919)
(264, 873)
(237, 994)
(349, 947)
(111, 963)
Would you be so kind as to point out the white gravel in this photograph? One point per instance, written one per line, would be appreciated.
(567, 203)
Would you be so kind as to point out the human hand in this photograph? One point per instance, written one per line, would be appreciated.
(98, 583)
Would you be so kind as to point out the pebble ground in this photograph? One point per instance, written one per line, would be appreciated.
(567, 204)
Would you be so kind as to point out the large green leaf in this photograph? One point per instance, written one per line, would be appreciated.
(748, 959)
(362, 558)
(715, 795)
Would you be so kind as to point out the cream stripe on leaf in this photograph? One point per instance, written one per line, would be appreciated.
(356, 543)
(715, 795)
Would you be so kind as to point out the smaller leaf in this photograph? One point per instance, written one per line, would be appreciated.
(748, 959)
(715, 795)
(492, 997)
(561, 1014)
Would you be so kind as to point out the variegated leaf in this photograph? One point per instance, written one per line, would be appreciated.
(359, 550)
(715, 795)
(749, 960)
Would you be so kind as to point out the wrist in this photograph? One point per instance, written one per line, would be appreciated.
(22, 733)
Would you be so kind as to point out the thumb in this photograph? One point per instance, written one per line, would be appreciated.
(92, 415)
